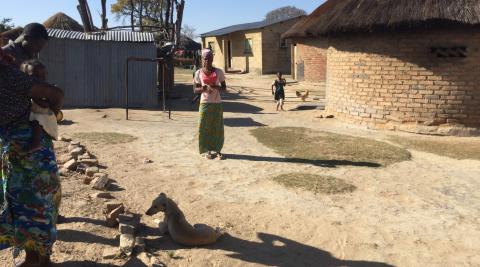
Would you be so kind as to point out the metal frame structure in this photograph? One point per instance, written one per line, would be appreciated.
(160, 61)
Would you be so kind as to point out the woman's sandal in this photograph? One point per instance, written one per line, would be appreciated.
(220, 156)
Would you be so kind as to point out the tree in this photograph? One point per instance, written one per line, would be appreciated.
(283, 13)
(141, 12)
(6, 24)
(152, 15)
(189, 31)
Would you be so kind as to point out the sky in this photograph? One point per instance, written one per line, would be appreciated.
(204, 18)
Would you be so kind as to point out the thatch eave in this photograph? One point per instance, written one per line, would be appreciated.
(342, 16)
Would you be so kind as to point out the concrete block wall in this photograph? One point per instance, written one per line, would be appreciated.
(275, 57)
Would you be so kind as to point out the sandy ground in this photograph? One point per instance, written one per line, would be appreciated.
(422, 212)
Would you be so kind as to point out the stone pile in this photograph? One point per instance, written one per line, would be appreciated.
(79, 160)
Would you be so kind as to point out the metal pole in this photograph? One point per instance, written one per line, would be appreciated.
(126, 87)
(163, 86)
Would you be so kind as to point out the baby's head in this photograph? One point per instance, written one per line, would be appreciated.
(279, 75)
(34, 68)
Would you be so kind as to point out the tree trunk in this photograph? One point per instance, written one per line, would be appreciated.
(167, 17)
(140, 15)
(82, 9)
(178, 26)
(172, 25)
(132, 15)
(104, 15)
(162, 2)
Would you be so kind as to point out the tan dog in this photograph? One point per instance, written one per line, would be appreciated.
(177, 226)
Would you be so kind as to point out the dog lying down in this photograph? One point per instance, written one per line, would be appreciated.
(177, 226)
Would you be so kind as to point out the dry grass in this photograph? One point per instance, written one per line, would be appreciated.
(105, 137)
(457, 148)
(297, 144)
(315, 183)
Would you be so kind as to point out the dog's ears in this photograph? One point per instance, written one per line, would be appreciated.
(163, 195)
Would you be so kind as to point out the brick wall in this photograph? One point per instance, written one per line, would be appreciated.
(311, 60)
(397, 81)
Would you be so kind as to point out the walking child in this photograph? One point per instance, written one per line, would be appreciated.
(278, 90)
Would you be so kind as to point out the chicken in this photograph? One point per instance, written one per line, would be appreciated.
(303, 96)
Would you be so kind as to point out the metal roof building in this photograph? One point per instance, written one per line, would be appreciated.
(90, 67)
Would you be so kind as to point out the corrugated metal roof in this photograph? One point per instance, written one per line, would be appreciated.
(109, 36)
(244, 27)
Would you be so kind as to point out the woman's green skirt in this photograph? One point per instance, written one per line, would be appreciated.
(210, 132)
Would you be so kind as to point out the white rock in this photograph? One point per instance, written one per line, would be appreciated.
(127, 243)
(70, 165)
(89, 162)
(100, 183)
(91, 171)
(110, 253)
(76, 151)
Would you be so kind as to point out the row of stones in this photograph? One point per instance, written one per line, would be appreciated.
(81, 161)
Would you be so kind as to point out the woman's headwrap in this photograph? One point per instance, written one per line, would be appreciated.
(206, 52)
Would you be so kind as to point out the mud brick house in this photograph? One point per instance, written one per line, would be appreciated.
(397, 64)
(252, 47)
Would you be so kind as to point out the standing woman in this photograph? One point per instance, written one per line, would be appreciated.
(29, 181)
(209, 82)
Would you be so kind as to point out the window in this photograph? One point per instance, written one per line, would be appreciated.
(447, 52)
(284, 43)
(211, 46)
(248, 46)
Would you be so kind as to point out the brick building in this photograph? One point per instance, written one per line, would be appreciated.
(397, 64)
(252, 47)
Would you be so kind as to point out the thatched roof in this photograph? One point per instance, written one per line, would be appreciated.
(337, 16)
(188, 44)
(12, 34)
(63, 22)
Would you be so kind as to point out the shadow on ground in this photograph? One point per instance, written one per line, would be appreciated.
(183, 99)
(68, 235)
(241, 122)
(272, 250)
(321, 163)
(132, 262)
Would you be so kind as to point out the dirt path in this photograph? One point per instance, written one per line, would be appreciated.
(422, 212)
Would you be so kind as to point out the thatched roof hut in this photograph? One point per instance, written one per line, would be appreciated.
(62, 21)
(337, 16)
(407, 65)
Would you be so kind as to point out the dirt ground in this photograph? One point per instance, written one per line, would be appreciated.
(421, 212)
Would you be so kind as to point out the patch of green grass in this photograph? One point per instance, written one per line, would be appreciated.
(302, 144)
(453, 147)
(317, 184)
(105, 137)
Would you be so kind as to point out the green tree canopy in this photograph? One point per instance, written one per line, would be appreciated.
(6, 24)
